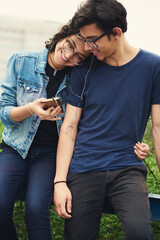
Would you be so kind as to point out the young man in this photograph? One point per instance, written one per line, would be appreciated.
(106, 115)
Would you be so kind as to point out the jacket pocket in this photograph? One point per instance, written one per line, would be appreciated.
(27, 92)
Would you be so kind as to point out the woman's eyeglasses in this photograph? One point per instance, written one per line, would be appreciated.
(77, 59)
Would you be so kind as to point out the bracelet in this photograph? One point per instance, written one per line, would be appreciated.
(60, 182)
(29, 109)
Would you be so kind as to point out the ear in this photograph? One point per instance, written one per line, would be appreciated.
(117, 32)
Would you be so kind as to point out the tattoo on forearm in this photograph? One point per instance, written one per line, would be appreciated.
(70, 132)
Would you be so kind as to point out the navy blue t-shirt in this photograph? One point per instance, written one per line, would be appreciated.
(116, 105)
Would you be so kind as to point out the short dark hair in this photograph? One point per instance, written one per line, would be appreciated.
(107, 14)
(66, 31)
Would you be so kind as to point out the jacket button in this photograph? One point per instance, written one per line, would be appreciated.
(27, 88)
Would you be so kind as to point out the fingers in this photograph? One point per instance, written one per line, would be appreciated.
(143, 147)
(54, 111)
(63, 201)
(62, 212)
(139, 156)
(36, 107)
(51, 113)
(69, 206)
(53, 119)
(141, 150)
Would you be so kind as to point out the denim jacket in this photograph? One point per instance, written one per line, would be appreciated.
(25, 82)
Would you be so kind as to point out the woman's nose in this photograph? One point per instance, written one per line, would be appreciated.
(69, 55)
(87, 47)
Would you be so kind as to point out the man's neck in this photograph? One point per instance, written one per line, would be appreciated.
(124, 53)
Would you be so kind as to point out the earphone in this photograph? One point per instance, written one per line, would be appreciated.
(85, 80)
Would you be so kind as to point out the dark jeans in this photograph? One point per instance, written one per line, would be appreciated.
(127, 192)
(38, 171)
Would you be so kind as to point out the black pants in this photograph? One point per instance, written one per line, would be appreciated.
(127, 192)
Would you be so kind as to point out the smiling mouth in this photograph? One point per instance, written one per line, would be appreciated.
(95, 52)
(65, 59)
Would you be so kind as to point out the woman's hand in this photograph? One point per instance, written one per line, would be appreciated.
(50, 114)
(20, 113)
(141, 150)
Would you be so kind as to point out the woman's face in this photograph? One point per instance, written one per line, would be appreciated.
(69, 52)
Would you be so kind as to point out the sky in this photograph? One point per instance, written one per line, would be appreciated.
(143, 17)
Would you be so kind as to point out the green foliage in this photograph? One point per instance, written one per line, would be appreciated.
(18, 218)
(110, 227)
(153, 176)
(57, 225)
(1, 130)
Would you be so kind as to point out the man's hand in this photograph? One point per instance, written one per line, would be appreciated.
(141, 150)
(62, 200)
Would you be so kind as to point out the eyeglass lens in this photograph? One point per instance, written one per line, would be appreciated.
(68, 47)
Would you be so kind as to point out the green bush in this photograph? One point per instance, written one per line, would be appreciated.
(1, 130)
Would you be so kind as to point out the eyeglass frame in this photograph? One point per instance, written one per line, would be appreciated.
(89, 42)
(72, 51)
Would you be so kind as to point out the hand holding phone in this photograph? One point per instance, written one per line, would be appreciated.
(52, 102)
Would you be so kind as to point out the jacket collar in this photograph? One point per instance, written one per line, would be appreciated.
(41, 61)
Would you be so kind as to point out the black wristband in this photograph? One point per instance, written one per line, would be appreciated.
(59, 182)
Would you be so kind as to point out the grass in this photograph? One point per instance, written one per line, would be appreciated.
(1, 130)
(110, 227)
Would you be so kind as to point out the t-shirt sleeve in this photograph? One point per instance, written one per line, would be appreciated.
(156, 89)
(73, 94)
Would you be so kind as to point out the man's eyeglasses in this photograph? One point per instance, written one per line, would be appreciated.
(92, 43)
(77, 59)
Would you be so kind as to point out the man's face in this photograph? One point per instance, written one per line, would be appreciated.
(106, 47)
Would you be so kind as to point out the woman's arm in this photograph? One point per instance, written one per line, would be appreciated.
(10, 113)
(18, 114)
(62, 194)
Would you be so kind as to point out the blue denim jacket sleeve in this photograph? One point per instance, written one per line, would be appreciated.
(8, 88)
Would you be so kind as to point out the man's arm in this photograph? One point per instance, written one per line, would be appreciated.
(155, 111)
(62, 194)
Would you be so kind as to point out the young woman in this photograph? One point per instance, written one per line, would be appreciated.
(29, 144)
(31, 132)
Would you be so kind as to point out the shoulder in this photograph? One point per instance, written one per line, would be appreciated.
(17, 58)
(30, 54)
(150, 57)
(29, 58)
(82, 71)
(149, 63)
(26, 54)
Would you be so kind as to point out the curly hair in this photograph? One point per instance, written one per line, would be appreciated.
(66, 31)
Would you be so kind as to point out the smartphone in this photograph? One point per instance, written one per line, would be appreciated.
(52, 102)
